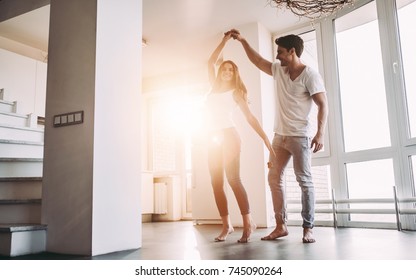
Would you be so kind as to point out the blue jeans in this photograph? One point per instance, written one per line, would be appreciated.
(224, 155)
(286, 147)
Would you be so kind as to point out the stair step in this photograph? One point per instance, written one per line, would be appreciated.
(13, 132)
(21, 227)
(14, 119)
(19, 201)
(7, 106)
(20, 149)
(25, 211)
(18, 239)
(41, 122)
(21, 142)
(13, 159)
(21, 188)
(20, 179)
(21, 167)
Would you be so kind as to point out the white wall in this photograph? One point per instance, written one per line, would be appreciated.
(117, 161)
(24, 80)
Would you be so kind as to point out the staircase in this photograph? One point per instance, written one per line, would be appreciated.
(21, 161)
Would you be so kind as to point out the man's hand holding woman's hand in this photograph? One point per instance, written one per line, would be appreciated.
(234, 33)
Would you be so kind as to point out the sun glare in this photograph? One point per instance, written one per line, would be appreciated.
(182, 114)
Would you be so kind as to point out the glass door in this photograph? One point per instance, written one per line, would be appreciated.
(368, 162)
(377, 102)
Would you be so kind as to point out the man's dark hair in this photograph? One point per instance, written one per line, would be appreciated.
(291, 41)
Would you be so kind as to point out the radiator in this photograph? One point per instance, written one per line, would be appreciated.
(161, 198)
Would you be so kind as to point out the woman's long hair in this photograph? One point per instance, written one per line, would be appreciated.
(239, 87)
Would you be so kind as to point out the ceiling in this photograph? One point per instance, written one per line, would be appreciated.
(180, 34)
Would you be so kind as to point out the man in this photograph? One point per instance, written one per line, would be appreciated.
(296, 87)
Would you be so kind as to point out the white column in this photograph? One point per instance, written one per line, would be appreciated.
(91, 180)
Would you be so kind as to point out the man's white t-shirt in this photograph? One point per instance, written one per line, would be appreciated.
(294, 100)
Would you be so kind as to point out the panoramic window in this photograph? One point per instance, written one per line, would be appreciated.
(407, 21)
(163, 144)
(371, 179)
(366, 103)
(362, 89)
(322, 183)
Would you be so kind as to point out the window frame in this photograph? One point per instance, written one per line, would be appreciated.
(402, 146)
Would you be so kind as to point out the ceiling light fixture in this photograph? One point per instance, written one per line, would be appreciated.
(312, 9)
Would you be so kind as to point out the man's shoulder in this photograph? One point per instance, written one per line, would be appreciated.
(311, 69)
(311, 72)
(276, 67)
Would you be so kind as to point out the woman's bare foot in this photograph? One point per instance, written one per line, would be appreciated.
(224, 234)
(278, 232)
(247, 233)
(308, 236)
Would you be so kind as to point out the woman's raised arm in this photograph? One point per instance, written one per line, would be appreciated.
(214, 57)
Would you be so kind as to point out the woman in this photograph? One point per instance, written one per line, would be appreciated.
(228, 91)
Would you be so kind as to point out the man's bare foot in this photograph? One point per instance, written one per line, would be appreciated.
(278, 232)
(308, 236)
(224, 234)
(246, 233)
